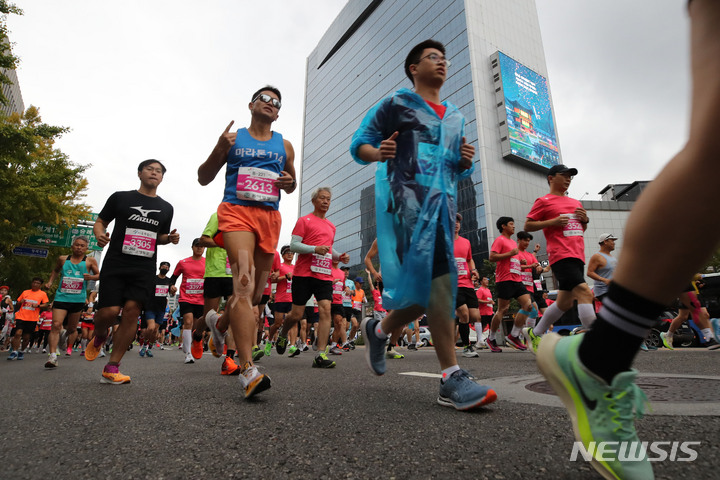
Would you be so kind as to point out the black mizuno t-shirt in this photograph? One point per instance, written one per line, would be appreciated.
(139, 220)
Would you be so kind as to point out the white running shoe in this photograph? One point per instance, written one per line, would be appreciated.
(189, 358)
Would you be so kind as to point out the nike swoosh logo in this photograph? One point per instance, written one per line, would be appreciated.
(592, 404)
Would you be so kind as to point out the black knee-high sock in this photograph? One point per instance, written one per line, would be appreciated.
(464, 329)
(610, 346)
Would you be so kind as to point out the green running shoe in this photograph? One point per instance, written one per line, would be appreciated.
(322, 361)
(531, 340)
(257, 353)
(667, 339)
(294, 351)
(599, 412)
(268, 348)
(281, 344)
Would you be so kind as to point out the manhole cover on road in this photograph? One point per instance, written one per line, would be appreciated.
(662, 389)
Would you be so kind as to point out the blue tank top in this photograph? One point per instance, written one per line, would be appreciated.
(72, 287)
(252, 167)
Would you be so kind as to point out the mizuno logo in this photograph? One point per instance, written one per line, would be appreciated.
(144, 213)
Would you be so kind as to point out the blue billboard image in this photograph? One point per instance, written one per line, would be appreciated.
(531, 127)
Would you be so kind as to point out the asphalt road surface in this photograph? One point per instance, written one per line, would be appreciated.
(187, 421)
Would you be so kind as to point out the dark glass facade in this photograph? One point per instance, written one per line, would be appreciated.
(358, 62)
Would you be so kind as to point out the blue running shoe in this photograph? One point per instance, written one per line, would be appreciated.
(13, 355)
(599, 412)
(462, 392)
(142, 351)
(20, 355)
(374, 346)
(148, 353)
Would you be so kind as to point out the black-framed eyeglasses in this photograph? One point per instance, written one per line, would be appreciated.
(434, 57)
(268, 99)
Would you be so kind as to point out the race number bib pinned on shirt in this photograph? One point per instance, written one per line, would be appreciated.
(515, 265)
(162, 290)
(289, 286)
(257, 184)
(321, 263)
(526, 277)
(71, 285)
(228, 269)
(139, 242)
(30, 304)
(194, 286)
(538, 285)
(573, 227)
(462, 266)
(338, 288)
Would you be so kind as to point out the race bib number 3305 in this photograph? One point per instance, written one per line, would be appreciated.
(139, 242)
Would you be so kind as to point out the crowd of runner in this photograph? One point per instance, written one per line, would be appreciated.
(419, 147)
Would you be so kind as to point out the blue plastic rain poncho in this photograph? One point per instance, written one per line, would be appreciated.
(414, 192)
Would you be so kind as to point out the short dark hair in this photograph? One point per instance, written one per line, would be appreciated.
(523, 235)
(164, 263)
(458, 217)
(413, 58)
(268, 88)
(503, 221)
(37, 279)
(145, 163)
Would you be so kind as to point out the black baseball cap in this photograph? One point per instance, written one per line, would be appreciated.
(560, 168)
(196, 242)
(164, 263)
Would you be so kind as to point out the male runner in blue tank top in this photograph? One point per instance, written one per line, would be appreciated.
(74, 271)
(259, 164)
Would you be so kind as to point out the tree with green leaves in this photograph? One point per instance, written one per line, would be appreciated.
(8, 61)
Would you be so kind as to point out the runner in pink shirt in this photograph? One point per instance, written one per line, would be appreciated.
(191, 300)
(563, 221)
(508, 285)
(466, 305)
(486, 303)
(529, 265)
(283, 297)
(312, 240)
(337, 310)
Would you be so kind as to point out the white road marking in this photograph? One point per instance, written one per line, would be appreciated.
(422, 374)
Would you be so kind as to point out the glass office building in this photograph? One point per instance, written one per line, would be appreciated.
(360, 60)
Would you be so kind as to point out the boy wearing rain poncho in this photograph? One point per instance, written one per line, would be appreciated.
(421, 153)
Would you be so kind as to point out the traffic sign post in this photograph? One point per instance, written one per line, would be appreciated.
(51, 236)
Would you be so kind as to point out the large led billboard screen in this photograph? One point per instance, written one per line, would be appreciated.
(526, 119)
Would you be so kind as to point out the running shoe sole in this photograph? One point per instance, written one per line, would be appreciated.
(258, 385)
(563, 387)
(110, 381)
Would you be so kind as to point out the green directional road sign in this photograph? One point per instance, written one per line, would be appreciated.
(51, 236)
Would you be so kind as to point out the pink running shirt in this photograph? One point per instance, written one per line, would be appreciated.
(463, 255)
(191, 288)
(507, 270)
(314, 231)
(562, 242)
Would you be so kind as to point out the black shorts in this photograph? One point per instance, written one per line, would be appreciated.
(348, 313)
(509, 289)
(486, 320)
(282, 307)
(310, 314)
(569, 273)
(538, 297)
(466, 296)
(70, 307)
(216, 287)
(357, 314)
(163, 326)
(266, 298)
(305, 287)
(120, 284)
(337, 309)
(27, 327)
(196, 310)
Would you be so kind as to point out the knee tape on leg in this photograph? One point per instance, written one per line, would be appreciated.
(243, 282)
(533, 312)
(524, 312)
